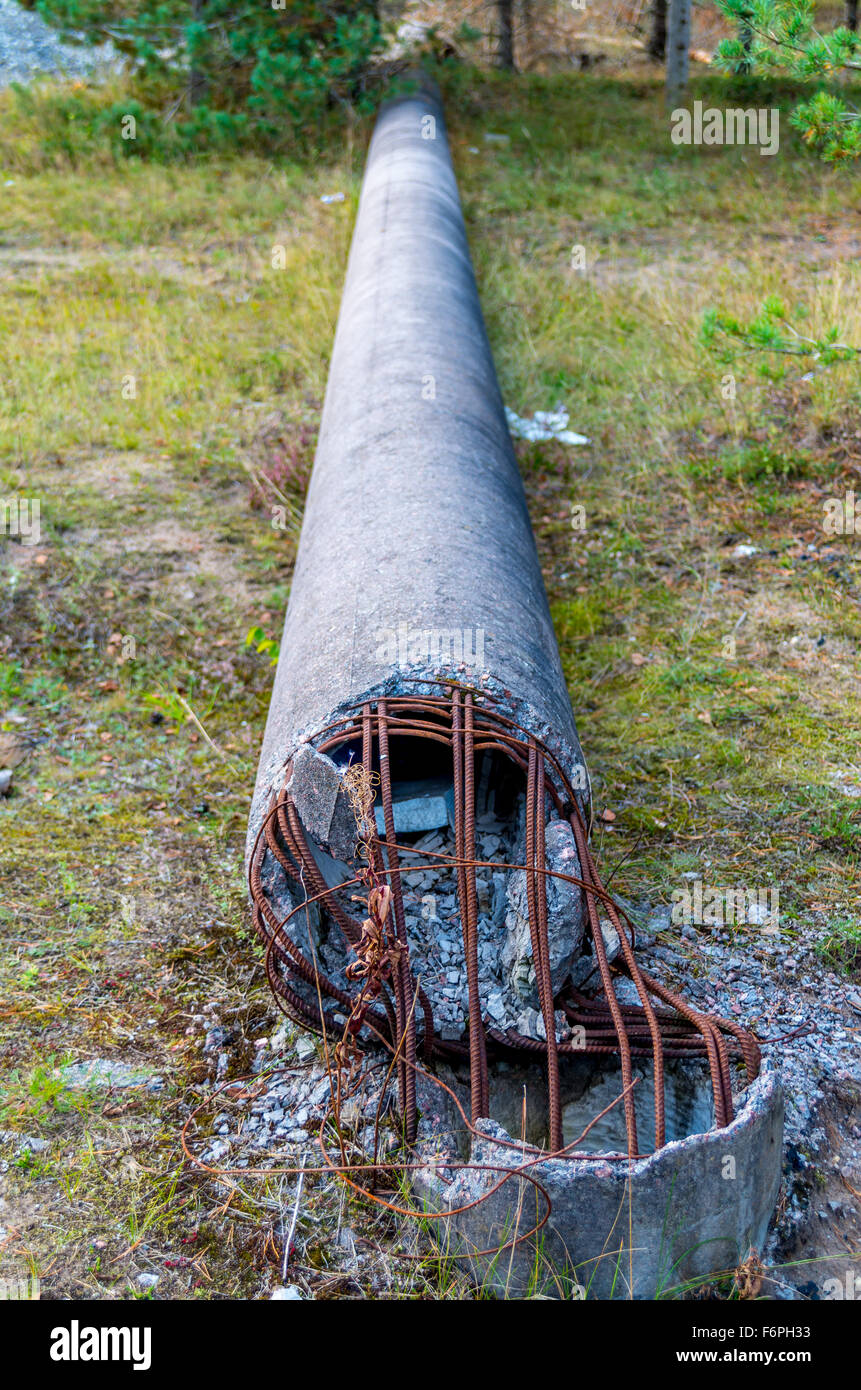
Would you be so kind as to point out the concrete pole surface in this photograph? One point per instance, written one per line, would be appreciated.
(416, 557)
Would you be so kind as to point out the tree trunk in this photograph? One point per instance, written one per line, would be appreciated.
(505, 56)
(852, 15)
(745, 34)
(678, 44)
(197, 84)
(528, 30)
(658, 40)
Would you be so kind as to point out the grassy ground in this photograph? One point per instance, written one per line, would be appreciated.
(150, 355)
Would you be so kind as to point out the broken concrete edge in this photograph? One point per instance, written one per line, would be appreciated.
(567, 752)
(695, 1208)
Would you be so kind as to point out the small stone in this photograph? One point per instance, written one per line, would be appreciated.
(351, 1112)
(215, 1038)
(287, 1293)
(104, 1072)
(560, 1024)
(306, 1048)
(528, 1023)
(612, 944)
(433, 841)
(496, 1007)
(658, 920)
(147, 1281)
(321, 1092)
(32, 1144)
(346, 1239)
(626, 991)
(498, 903)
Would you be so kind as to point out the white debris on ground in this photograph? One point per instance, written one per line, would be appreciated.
(411, 34)
(847, 781)
(104, 1073)
(544, 425)
(30, 48)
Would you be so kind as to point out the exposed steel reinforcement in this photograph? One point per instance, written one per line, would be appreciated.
(388, 1002)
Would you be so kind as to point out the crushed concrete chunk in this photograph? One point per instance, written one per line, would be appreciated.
(565, 923)
(586, 968)
(323, 806)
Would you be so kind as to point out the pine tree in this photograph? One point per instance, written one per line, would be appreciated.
(781, 36)
(258, 63)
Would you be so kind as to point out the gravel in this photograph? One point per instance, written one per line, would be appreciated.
(773, 986)
(30, 48)
(777, 985)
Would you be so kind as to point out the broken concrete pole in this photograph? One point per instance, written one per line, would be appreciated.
(416, 557)
(418, 643)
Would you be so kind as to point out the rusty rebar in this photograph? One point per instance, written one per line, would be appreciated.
(466, 721)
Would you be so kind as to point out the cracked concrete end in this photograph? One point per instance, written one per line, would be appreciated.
(692, 1209)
